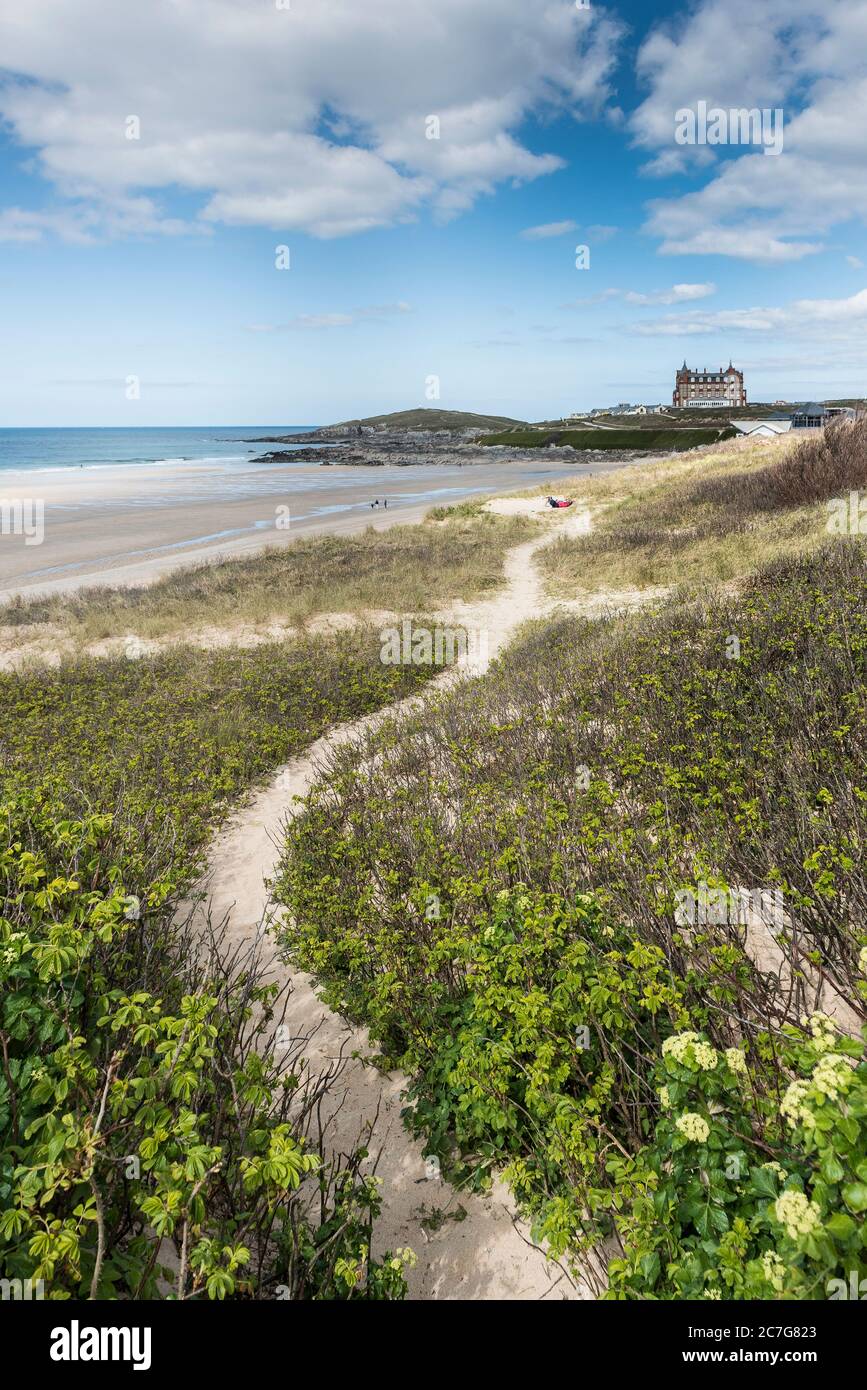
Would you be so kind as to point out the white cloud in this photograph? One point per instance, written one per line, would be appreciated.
(601, 297)
(803, 315)
(804, 56)
(84, 225)
(378, 311)
(321, 321)
(685, 232)
(855, 263)
(333, 320)
(599, 232)
(548, 229)
(595, 234)
(678, 294)
(313, 118)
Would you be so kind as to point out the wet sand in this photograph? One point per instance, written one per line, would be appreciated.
(130, 524)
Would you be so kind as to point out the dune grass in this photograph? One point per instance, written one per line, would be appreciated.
(456, 553)
(711, 518)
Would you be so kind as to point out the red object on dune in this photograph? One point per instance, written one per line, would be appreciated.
(559, 501)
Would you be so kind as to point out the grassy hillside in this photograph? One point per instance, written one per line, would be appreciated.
(499, 885)
(707, 520)
(147, 1100)
(605, 905)
(682, 417)
(657, 440)
(430, 418)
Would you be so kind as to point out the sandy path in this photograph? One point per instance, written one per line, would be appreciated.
(485, 1255)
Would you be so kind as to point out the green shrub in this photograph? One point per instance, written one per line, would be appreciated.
(152, 1143)
(718, 1207)
(648, 440)
(164, 744)
(478, 880)
(831, 465)
(141, 1099)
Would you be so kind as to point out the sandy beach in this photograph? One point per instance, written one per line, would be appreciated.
(129, 524)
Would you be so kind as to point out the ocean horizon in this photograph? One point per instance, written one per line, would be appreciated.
(31, 449)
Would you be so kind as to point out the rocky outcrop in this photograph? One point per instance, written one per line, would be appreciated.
(376, 448)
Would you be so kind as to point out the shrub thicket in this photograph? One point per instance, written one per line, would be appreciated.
(492, 885)
(831, 465)
(152, 1141)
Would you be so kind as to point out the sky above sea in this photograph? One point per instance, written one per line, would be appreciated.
(324, 209)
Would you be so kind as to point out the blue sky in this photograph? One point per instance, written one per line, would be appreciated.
(412, 258)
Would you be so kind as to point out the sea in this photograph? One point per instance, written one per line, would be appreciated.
(51, 450)
(96, 518)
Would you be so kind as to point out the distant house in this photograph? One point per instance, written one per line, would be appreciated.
(810, 416)
(762, 429)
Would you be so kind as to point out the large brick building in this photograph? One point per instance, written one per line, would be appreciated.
(709, 389)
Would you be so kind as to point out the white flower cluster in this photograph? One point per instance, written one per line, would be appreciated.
(832, 1075)
(823, 1030)
(11, 952)
(677, 1045)
(690, 1051)
(772, 1265)
(831, 1078)
(692, 1126)
(794, 1107)
(774, 1167)
(736, 1059)
(798, 1214)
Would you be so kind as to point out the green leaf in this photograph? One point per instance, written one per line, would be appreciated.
(650, 1268)
(832, 1168)
(840, 1226)
(764, 1182)
(855, 1196)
